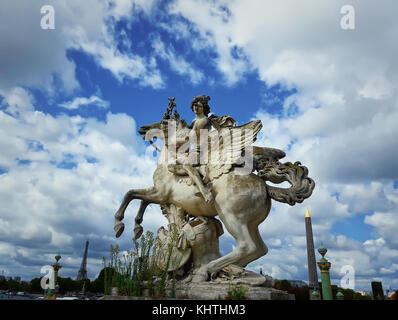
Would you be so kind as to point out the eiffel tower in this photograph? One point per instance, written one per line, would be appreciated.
(82, 274)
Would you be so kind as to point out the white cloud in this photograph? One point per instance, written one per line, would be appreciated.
(377, 242)
(365, 198)
(33, 57)
(122, 8)
(59, 239)
(209, 19)
(83, 101)
(18, 101)
(47, 208)
(177, 63)
(124, 66)
(386, 224)
(275, 242)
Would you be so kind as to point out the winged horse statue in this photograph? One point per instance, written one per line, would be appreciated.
(235, 173)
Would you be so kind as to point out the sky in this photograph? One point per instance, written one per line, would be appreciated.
(73, 97)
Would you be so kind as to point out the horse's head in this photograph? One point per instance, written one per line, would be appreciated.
(168, 130)
(145, 129)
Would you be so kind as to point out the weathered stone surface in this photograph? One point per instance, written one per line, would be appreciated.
(255, 286)
(212, 291)
(248, 278)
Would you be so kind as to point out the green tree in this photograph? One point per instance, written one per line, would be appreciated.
(300, 293)
(66, 285)
(3, 284)
(13, 285)
(25, 287)
(98, 284)
(35, 285)
(283, 285)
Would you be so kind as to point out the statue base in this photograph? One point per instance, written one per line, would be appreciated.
(247, 285)
(250, 285)
(211, 291)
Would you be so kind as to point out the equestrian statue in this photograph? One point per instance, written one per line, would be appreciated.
(210, 169)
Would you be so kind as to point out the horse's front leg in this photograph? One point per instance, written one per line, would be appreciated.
(150, 195)
(119, 215)
(138, 219)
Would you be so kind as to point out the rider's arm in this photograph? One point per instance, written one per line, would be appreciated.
(181, 140)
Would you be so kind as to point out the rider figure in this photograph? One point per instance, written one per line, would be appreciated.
(191, 163)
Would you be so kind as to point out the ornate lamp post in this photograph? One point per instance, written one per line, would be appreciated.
(324, 266)
(315, 295)
(340, 295)
(56, 266)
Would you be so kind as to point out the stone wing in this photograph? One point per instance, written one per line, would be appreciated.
(227, 144)
(222, 122)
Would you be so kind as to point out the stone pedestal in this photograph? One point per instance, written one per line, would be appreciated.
(211, 291)
(255, 287)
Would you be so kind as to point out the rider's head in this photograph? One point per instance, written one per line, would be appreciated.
(204, 100)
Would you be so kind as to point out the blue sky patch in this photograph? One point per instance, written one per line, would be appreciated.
(23, 162)
(336, 195)
(354, 227)
(35, 145)
(91, 160)
(67, 163)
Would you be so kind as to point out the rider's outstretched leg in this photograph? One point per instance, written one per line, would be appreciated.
(194, 175)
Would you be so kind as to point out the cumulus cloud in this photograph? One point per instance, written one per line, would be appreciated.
(83, 101)
(177, 63)
(365, 197)
(386, 224)
(67, 187)
(31, 56)
(210, 21)
(124, 66)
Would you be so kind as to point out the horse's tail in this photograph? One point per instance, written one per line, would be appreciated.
(296, 174)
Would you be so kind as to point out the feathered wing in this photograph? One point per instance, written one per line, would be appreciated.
(227, 145)
(237, 139)
(222, 121)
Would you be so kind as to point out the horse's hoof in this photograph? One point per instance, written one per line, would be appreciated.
(200, 275)
(188, 279)
(119, 228)
(138, 230)
(213, 276)
(197, 278)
